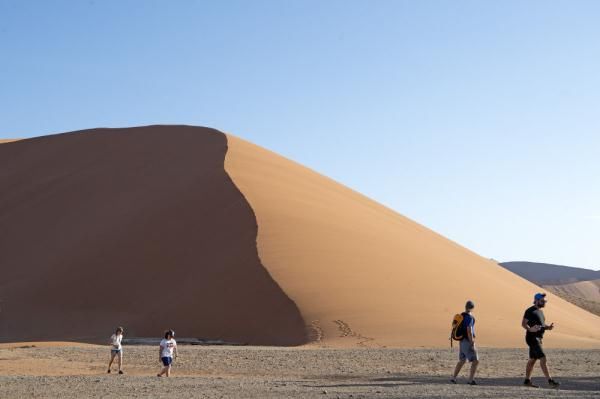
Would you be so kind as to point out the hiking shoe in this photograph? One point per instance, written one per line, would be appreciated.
(472, 383)
(528, 383)
(121, 372)
(453, 380)
(553, 384)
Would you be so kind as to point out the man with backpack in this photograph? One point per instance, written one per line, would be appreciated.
(463, 330)
(534, 323)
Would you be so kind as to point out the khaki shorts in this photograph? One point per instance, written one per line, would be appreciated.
(467, 351)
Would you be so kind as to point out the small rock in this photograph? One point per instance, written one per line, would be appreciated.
(324, 392)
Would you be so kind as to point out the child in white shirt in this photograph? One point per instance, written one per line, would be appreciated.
(167, 348)
(116, 349)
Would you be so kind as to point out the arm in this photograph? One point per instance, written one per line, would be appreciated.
(175, 350)
(470, 334)
(549, 327)
(160, 350)
(525, 325)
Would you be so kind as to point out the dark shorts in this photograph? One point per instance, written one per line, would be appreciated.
(167, 360)
(115, 351)
(535, 348)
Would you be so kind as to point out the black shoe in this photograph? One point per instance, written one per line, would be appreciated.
(108, 372)
(453, 380)
(121, 372)
(472, 383)
(553, 384)
(530, 384)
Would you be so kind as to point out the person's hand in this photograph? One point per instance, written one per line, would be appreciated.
(535, 328)
(550, 327)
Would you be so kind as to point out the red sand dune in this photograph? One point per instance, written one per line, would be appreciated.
(137, 227)
(183, 227)
(364, 275)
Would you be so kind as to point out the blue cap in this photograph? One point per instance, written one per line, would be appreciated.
(539, 296)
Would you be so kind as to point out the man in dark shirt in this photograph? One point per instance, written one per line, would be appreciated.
(534, 323)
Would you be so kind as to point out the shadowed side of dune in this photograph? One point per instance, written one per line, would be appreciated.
(139, 227)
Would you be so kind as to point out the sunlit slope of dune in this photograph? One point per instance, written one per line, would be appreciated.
(362, 274)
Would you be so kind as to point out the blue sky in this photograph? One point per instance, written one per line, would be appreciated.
(476, 119)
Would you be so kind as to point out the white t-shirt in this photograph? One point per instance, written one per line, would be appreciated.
(167, 346)
(116, 341)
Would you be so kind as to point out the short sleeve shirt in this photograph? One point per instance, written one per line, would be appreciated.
(469, 322)
(535, 317)
(116, 341)
(167, 346)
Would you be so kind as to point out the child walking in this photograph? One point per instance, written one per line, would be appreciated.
(167, 348)
(116, 349)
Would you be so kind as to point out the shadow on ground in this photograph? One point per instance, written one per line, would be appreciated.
(589, 384)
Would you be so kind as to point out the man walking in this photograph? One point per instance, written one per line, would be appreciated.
(534, 323)
(467, 345)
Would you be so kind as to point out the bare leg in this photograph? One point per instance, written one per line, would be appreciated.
(165, 370)
(458, 367)
(120, 359)
(529, 368)
(474, 365)
(112, 357)
(545, 367)
(168, 370)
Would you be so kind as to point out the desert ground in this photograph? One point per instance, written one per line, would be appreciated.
(43, 370)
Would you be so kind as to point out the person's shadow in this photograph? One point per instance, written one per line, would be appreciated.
(587, 384)
(590, 384)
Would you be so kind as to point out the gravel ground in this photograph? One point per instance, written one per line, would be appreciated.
(252, 372)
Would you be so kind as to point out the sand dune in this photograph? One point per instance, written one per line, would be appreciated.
(138, 227)
(187, 228)
(585, 294)
(362, 274)
(545, 273)
(2, 141)
(589, 290)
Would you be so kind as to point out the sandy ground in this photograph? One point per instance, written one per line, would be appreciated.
(76, 371)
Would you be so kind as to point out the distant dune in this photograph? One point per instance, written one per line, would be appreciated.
(585, 294)
(188, 228)
(7, 140)
(589, 290)
(545, 273)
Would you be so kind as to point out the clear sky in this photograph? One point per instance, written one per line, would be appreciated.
(478, 119)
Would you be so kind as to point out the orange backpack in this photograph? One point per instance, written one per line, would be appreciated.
(458, 332)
